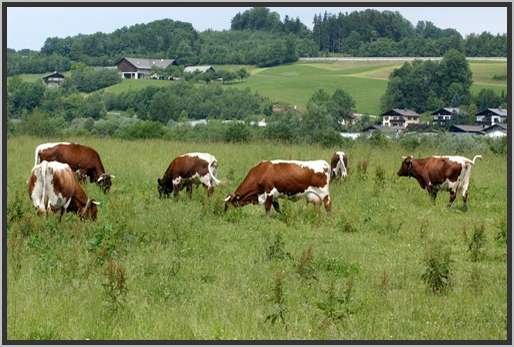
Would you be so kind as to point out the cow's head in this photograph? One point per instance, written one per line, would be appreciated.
(89, 211)
(163, 189)
(236, 201)
(405, 169)
(105, 182)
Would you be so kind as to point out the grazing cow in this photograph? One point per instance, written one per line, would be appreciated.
(338, 165)
(78, 157)
(272, 179)
(53, 187)
(436, 173)
(186, 170)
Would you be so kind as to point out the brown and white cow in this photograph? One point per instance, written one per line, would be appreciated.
(186, 170)
(54, 187)
(338, 165)
(435, 173)
(80, 158)
(292, 179)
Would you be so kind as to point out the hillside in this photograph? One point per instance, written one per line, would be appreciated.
(365, 81)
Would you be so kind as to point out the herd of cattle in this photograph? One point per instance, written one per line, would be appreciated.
(59, 168)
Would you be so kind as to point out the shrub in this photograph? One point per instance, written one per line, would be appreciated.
(115, 284)
(379, 177)
(237, 132)
(276, 249)
(410, 143)
(278, 300)
(336, 306)
(41, 124)
(438, 270)
(476, 243)
(141, 130)
(305, 267)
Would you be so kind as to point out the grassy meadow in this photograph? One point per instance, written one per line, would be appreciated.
(183, 269)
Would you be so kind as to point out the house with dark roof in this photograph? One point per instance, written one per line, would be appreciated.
(399, 117)
(496, 130)
(135, 68)
(53, 79)
(491, 116)
(467, 129)
(199, 68)
(444, 115)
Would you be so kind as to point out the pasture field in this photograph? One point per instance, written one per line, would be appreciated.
(184, 269)
(365, 81)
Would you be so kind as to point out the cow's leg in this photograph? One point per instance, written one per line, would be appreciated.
(327, 203)
(210, 191)
(176, 189)
(453, 195)
(189, 189)
(268, 203)
(62, 212)
(276, 206)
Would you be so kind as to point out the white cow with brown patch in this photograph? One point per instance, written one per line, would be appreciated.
(53, 187)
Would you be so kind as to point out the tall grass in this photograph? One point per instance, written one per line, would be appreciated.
(182, 269)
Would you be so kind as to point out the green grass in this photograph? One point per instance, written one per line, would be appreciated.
(193, 272)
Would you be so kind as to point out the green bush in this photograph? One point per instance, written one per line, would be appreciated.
(438, 270)
(38, 123)
(237, 132)
(141, 130)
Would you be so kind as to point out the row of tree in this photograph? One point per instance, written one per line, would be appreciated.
(259, 37)
(375, 33)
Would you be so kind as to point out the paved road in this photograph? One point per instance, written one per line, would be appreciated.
(499, 59)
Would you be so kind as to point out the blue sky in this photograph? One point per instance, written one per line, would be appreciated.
(28, 27)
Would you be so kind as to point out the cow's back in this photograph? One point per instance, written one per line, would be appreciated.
(75, 155)
(186, 167)
(440, 169)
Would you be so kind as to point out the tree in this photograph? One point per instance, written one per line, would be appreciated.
(487, 98)
(341, 106)
(243, 73)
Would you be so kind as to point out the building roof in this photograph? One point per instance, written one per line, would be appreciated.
(147, 64)
(382, 129)
(493, 111)
(446, 110)
(467, 128)
(401, 112)
(53, 74)
(198, 68)
(496, 126)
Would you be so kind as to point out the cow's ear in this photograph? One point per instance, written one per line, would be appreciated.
(159, 181)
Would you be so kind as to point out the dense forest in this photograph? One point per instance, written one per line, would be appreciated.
(387, 33)
(260, 37)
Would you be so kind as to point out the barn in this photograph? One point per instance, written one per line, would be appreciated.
(136, 68)
(53, 79)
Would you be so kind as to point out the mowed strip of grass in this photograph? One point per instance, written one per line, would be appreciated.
(191, 271)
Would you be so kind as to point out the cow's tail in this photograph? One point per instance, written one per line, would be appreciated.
(211, 173)
(45, 170)
(36, 156)
(478, 156)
